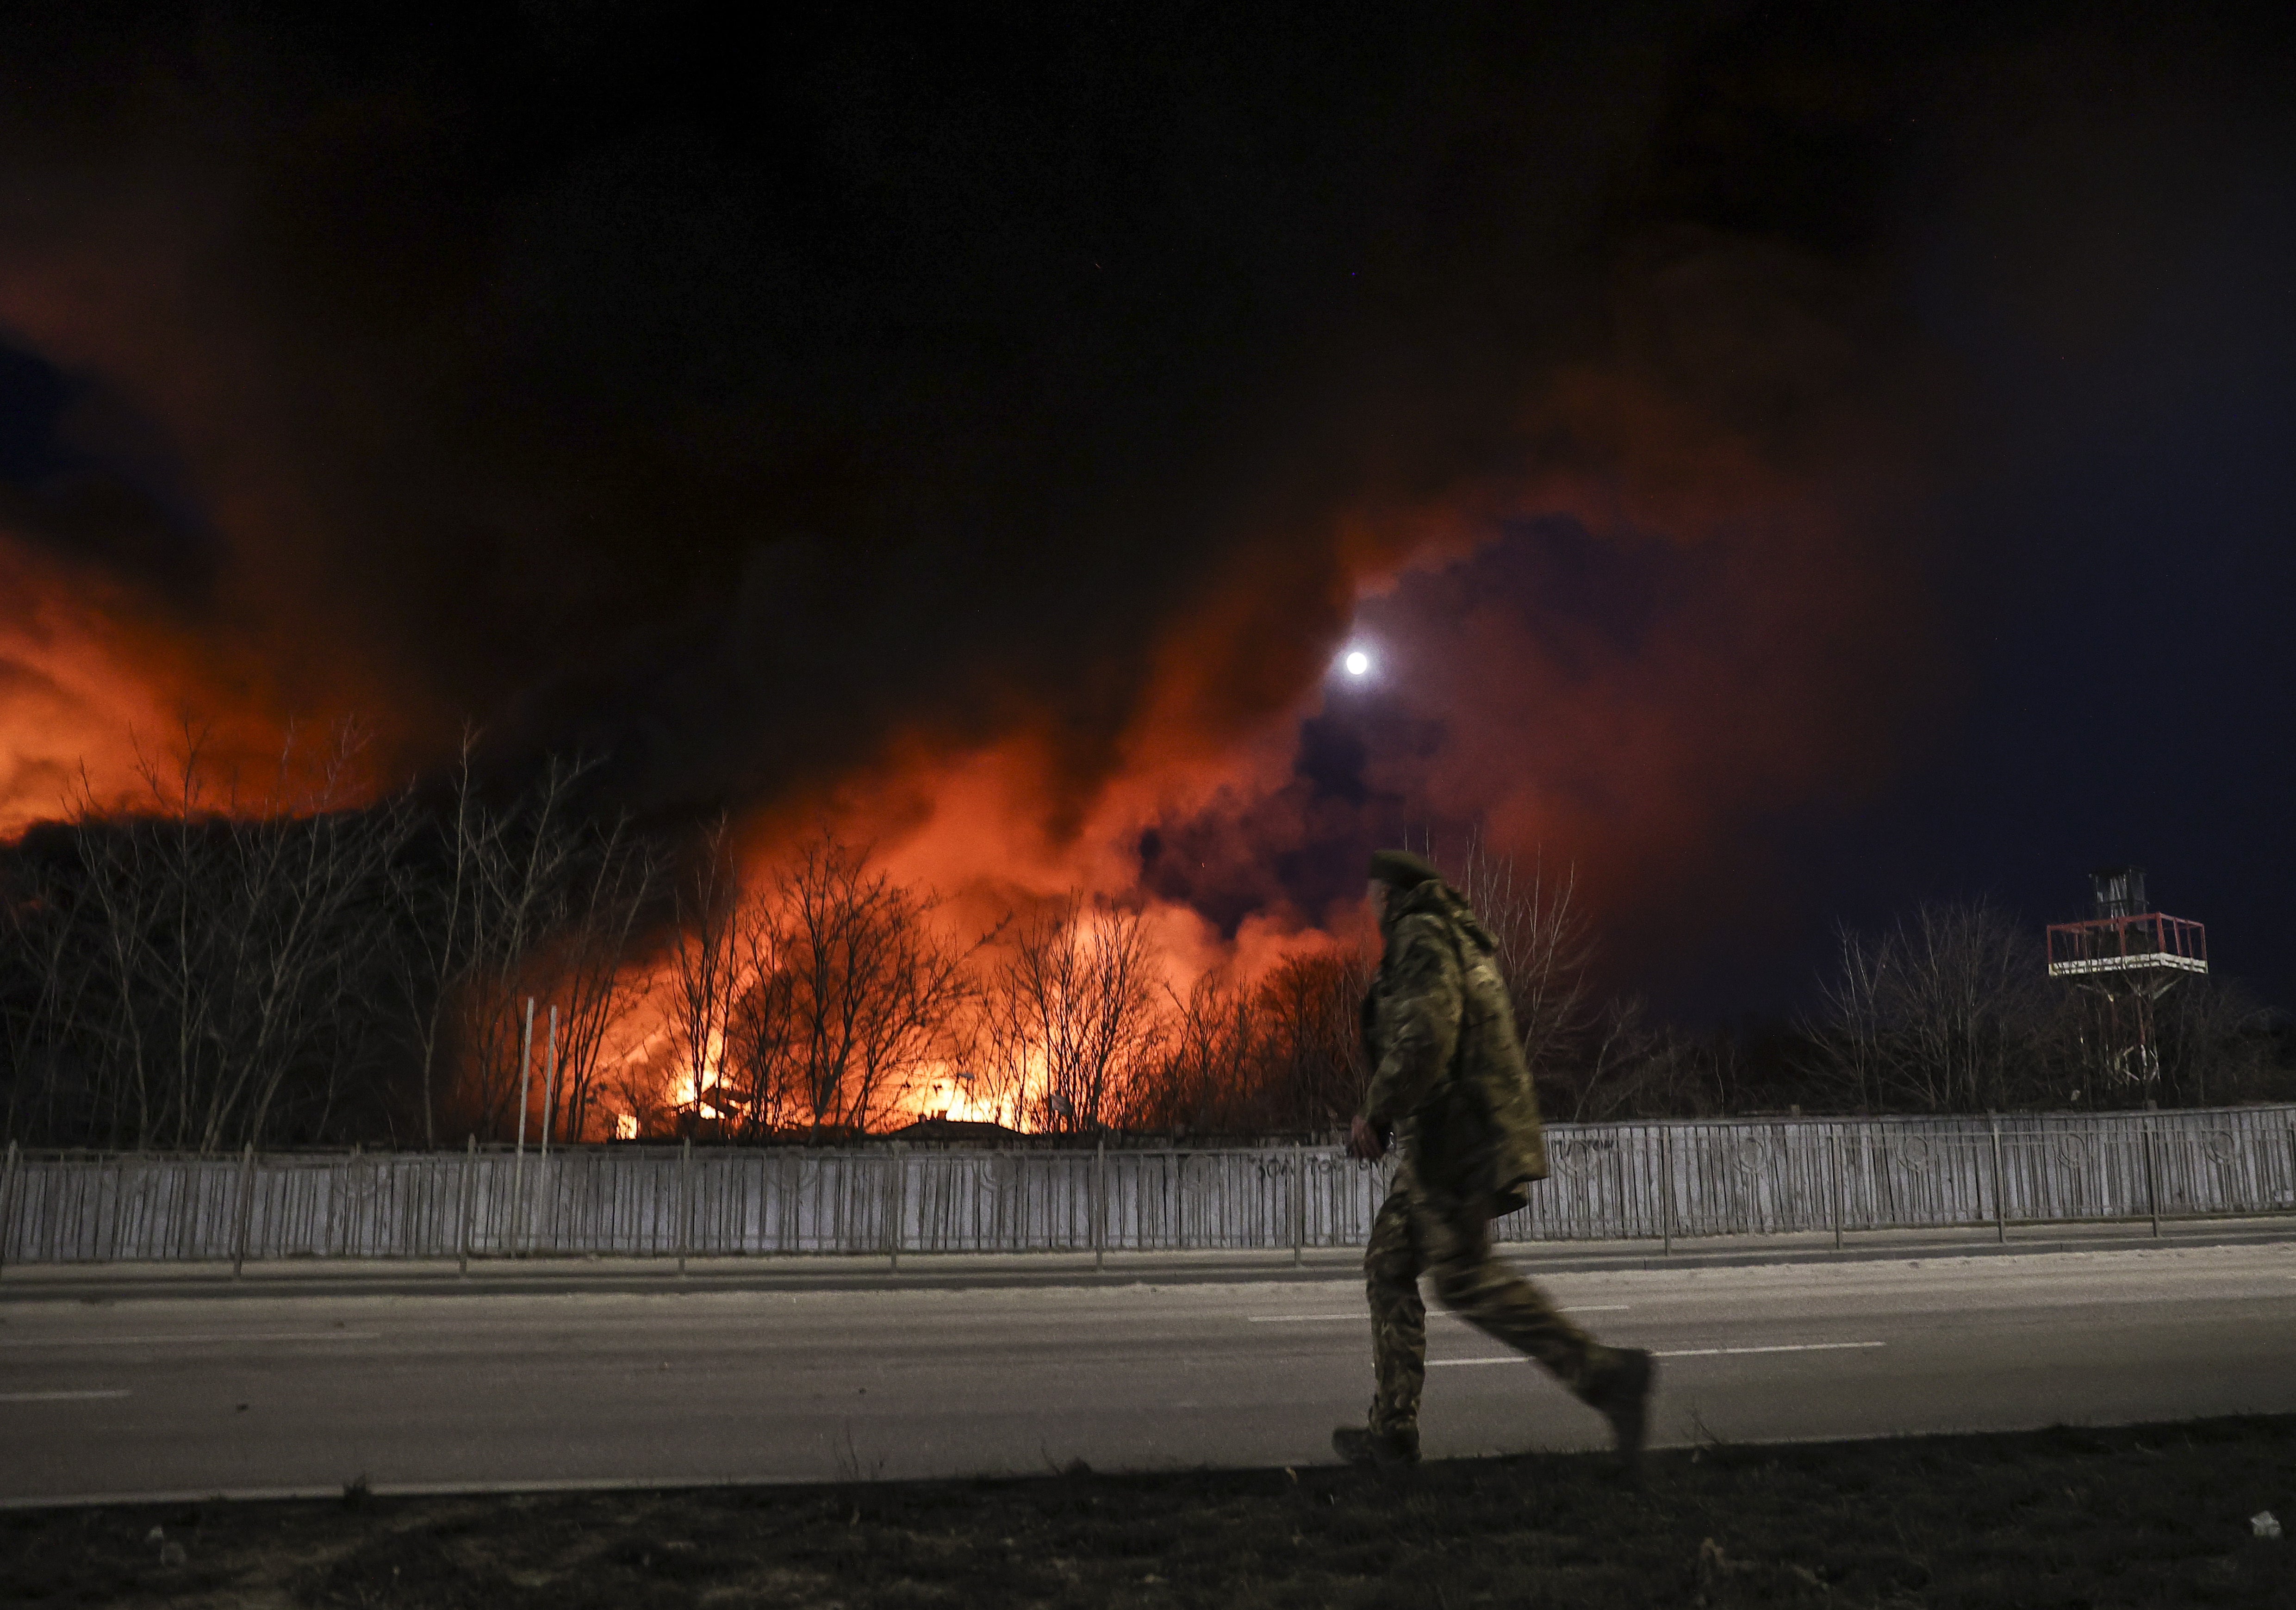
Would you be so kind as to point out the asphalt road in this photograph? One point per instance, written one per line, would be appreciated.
(304, 1393)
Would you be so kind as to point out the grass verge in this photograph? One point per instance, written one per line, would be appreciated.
(2142, 1516)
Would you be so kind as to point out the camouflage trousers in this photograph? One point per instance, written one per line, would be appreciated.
(1418, 1231)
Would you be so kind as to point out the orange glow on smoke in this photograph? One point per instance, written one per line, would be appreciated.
(1636, 765)
(69, 700)
(94, 691)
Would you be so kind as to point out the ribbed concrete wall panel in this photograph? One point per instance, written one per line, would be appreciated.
(1610, 1181)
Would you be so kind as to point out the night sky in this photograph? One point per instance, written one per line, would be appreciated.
(1784, 461)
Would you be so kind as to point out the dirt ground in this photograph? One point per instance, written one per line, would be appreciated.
(2148, 1515)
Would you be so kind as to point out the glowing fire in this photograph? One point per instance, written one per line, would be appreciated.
(946, 1092)
(688, 1085)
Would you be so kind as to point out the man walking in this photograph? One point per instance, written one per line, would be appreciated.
(1448, 1067)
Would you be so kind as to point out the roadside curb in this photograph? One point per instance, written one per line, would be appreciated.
(1913, 1254)
(931, 1273)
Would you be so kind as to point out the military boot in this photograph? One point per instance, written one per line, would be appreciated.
(1622, 1397)
(1385, 1448)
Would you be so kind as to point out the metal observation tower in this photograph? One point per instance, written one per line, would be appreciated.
(2125, 958)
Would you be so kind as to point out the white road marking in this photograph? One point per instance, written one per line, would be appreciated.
(1364, 1315)
(60, 1397)
(276, 1336)
(1685, 1353)
(1790, 1347)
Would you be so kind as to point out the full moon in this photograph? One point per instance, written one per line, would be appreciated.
(1357, 662)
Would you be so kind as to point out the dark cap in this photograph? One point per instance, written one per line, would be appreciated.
(1401, 868)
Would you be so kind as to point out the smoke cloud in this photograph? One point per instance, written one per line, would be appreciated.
(988, 438)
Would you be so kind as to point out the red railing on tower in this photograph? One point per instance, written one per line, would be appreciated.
(2143, 942)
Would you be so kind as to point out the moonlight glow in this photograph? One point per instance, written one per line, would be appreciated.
(1357, 662)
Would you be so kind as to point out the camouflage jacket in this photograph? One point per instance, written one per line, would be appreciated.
(1442, 1041)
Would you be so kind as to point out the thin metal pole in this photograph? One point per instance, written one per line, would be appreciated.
(2000, 1199)
(1299, 1203)
(549, 1121)
(350, 1200)
(550, 1082)
(2152, 1177)
(686, 1211)
(1666, 1183)
(1619, 1155)
(8, 1198)
(118, 1210)
(132, 1191)
(517, 1163)
(470, 1183)
(1100, 1203)
(239, 1239)
(894, 1182)
(1176, 1192)
(1834, 1146)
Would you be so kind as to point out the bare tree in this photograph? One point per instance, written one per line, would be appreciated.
(41, 983)
(435, 893)
(1633, 1065)
(586, 962)
(2215, 1044)
(148, 890)
(202, 959)
(759, 1074)
(1851, 1025)
(216, 966)
(1621, 1048)
(1950, 1011)
(1080, 1006)
(1544, 946)
(705, 980)
(1210, 1074)
(1311, 1015)
(308, 880)
(531, 871)
(868, 987)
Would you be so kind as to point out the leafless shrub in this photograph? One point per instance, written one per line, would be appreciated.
(1634, 1065)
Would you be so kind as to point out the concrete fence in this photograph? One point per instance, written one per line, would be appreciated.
(1660, 1181)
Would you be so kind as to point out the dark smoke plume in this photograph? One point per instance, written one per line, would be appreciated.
(740, 412)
